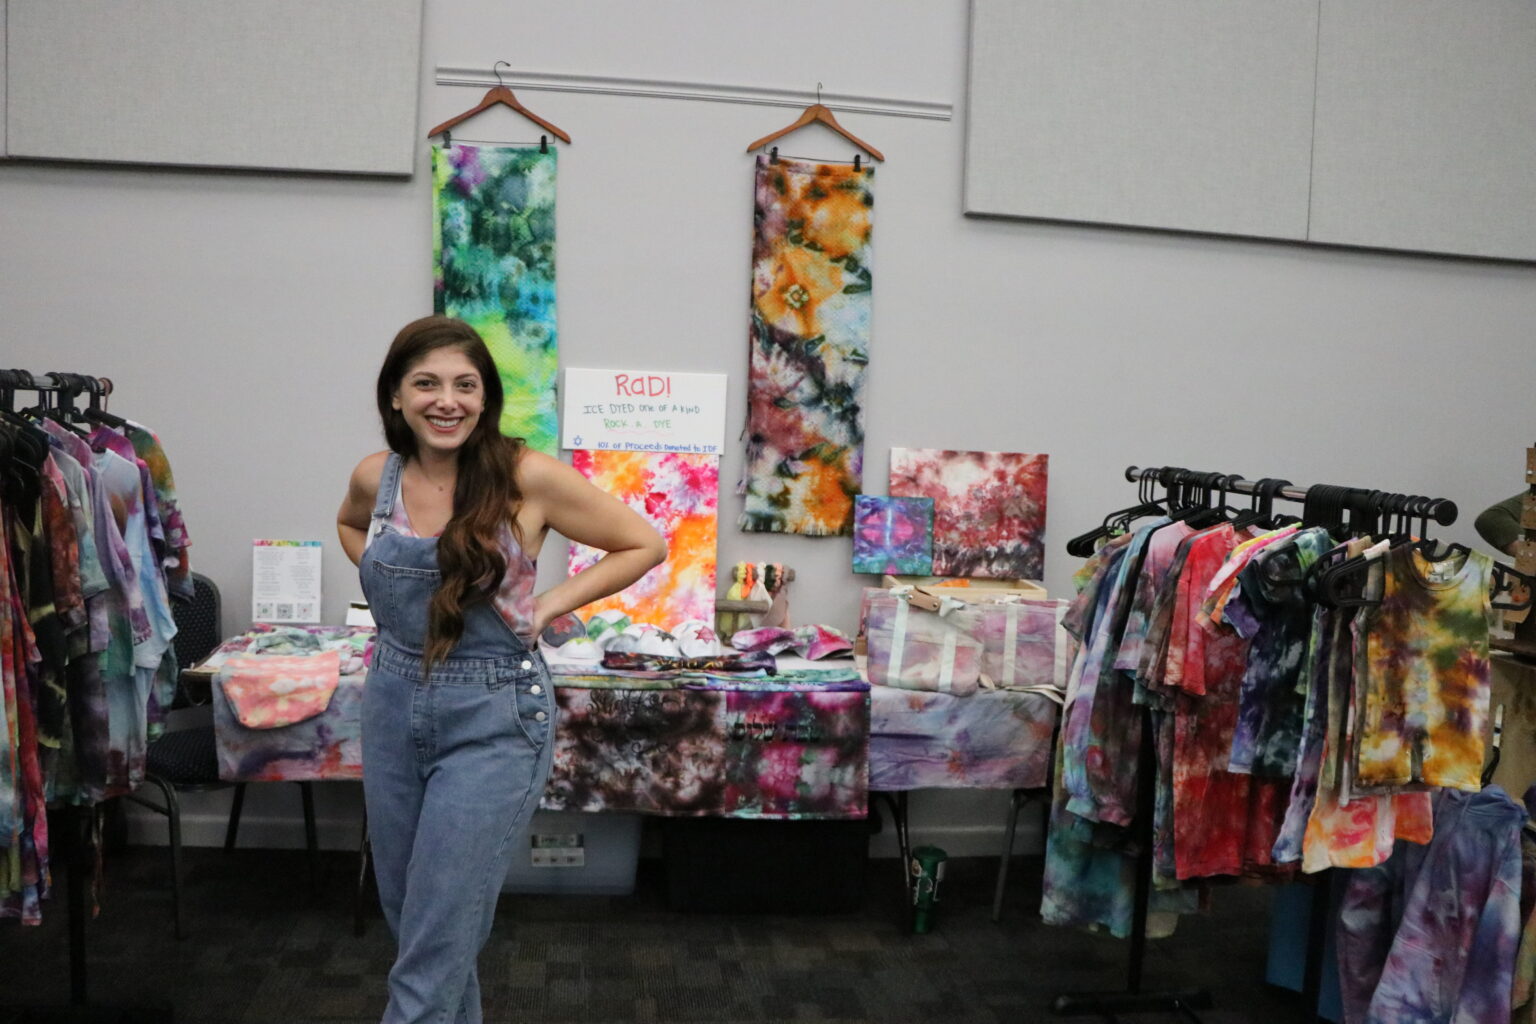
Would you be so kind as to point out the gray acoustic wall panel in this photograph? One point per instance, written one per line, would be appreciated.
(2, 78)
(302, 85)
(1193, 115)
(1426, 126)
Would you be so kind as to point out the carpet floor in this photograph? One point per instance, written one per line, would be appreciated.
(261, 949)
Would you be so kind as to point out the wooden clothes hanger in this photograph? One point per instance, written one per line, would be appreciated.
(499, 94)
(816, 113)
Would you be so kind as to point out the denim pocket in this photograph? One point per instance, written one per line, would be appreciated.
(534, 705)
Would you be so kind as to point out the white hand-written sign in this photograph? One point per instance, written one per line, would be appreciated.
(643, 411)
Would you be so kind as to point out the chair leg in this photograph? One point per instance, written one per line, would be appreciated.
(360, 896)
(1016, 800)
(311, 842)
(234, 817)
(173, 817)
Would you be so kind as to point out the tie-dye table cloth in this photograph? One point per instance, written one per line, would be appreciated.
(327, 746)
(761, 750)
(787, 752)
(993, 739)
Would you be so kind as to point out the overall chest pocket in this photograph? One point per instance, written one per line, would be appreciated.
(399, 596)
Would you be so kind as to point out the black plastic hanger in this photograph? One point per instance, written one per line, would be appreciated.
(1219, 511)
(1184, 496)
(93, 412)
(1084, 544)
(1262, 509)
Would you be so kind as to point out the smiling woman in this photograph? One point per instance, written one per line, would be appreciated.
(442, 399)
(458, 708)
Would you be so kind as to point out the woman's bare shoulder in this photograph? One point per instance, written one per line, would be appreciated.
(534, 466)
(368, 473)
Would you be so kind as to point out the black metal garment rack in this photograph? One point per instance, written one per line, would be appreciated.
(1134, 998)
(74, 827)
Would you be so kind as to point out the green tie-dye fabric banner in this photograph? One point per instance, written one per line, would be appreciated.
(493, 243)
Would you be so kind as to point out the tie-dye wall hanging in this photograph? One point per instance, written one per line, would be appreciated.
(494, 246)
(989, 509)
(893, 535)
(809, 346)
(679, 495)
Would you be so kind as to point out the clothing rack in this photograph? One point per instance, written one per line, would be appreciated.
(67, 385)
(79, 832)
(1133, 999)
(1441, 510)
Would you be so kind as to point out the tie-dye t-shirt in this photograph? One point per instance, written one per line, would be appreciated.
(178, 570)
(1427, 690)
(1270, 608)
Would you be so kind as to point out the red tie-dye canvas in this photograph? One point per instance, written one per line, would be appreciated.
(988, 509)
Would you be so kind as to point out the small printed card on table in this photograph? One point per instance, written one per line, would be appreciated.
(285, 580)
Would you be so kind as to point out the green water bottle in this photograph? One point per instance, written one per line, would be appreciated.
(927, 867)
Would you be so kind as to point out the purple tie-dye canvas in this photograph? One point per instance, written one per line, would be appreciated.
(893, 535)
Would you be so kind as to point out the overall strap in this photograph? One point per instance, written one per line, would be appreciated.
(389, 484)
(384, 503)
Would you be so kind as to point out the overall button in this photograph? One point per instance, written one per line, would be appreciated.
(535, 689)
(540, 717)
(527, 665)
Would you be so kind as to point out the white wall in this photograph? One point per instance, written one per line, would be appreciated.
(244, 316)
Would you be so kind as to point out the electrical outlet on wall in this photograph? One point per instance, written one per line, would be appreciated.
(557, 850)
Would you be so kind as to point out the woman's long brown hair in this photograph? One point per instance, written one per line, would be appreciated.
(485, 497)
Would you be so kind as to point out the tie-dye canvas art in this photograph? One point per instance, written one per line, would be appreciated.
(893, 535)
(493, 242)
(679, 495)
(809, 347)
(988, 509)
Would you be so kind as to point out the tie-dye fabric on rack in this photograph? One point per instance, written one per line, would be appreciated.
(679, 495)
(724, 752)
(493, 243)
(809, 347)
(893, 535)
(988, 509)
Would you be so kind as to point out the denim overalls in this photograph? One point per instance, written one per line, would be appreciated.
(453, 767)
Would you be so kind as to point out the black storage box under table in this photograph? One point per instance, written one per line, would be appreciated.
(734, 865)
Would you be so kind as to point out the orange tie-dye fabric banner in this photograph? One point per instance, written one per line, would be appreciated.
(809, 348)
(679, 494)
